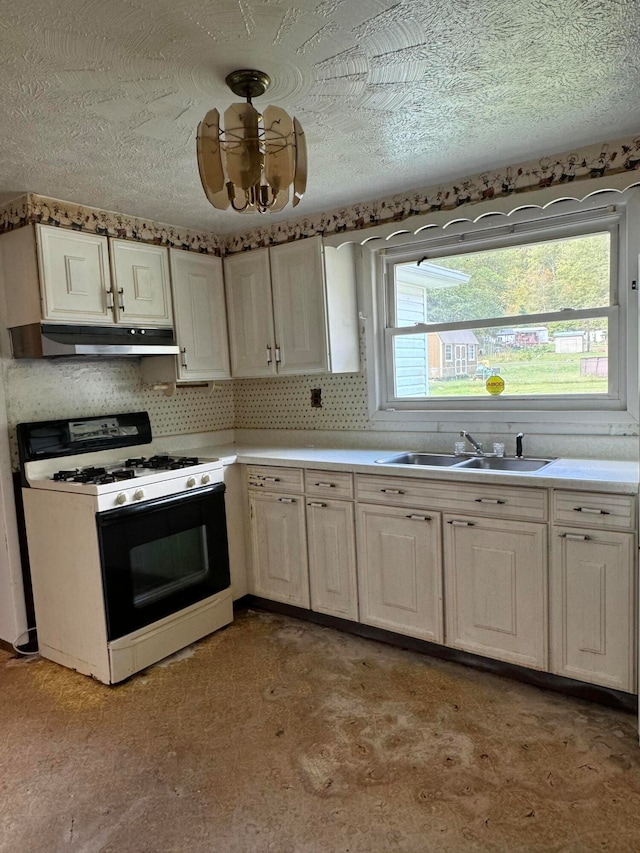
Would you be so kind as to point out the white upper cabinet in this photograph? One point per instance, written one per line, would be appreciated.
(299, 312)
(292, 310)
(251, 333)
(141, 284)
(65, 276)
(74, 273)
(200, 316)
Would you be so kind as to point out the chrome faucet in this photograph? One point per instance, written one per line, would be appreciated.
(477, 445)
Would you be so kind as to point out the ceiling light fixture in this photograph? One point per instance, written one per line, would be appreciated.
(257, 157)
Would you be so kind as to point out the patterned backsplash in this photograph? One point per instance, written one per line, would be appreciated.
(48, 389)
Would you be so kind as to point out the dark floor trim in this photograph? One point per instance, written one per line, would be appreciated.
(578, 689)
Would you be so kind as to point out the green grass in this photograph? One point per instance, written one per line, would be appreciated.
(546, 373)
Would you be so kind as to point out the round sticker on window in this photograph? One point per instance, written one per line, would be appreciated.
(495, 385)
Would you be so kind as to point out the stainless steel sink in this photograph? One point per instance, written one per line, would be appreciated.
(438, 460)
(502, 463)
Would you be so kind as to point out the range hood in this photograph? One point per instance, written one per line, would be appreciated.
(48, 340)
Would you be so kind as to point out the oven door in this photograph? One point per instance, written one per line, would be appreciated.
(161, 556)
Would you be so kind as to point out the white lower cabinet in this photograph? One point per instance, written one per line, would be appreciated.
(592, 606)
(496, 588)
(332, 558)
(400, 570)
(279, 548)
(478, 575)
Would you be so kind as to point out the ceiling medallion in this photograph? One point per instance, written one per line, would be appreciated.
(251, 163)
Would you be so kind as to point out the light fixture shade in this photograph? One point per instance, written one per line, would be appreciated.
(210, 160)
(252, 163)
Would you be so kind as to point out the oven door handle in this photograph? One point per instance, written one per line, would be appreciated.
(107, 516)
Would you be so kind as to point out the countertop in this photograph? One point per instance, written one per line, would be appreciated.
(582, 474)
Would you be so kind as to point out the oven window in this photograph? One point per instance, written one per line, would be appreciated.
(165, 566)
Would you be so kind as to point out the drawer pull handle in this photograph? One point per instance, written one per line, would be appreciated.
(287, 500)
(316, 503)
(419, 517)
(271, 479)
(269, 359)
(457, 523)
(591, 510)
(490, 501)
(392, 491)
(255, 484)
(575, 537)
(326, 485)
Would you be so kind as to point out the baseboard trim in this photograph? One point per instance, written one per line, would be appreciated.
(578, 689)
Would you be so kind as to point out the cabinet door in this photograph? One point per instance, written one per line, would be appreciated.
(592, 607)
(141, 283)
(496, 588)
(399, 570)
(299, 306)
(279, 548)
(332, 558)
(74, 275)
(251, 338)
(200, 315)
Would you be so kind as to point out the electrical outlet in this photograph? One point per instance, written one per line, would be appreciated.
(316, 398)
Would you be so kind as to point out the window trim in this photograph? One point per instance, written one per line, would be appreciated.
(543, 415)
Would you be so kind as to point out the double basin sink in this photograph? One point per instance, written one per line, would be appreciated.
(478, 463)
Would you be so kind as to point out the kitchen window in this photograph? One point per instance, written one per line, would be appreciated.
(532, 311)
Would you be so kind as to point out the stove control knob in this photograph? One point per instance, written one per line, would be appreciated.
(205, 479)
(191, 482)
(121, 499)
(138, 494)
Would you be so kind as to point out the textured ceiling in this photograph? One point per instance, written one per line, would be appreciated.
(100, 99)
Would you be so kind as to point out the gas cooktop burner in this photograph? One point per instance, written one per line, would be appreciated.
(167, 463)
(97, 476)
(136, 467)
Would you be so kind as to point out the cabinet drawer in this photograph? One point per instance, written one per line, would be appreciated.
(477, 498)
(329, 484)
(274, 479)
(598, 511)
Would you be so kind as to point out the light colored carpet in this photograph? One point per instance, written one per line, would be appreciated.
(279, 735)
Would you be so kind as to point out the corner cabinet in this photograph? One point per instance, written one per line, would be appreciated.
(292, 310)
(200, 323)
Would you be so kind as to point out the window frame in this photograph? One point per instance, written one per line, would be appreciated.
(615, 413)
